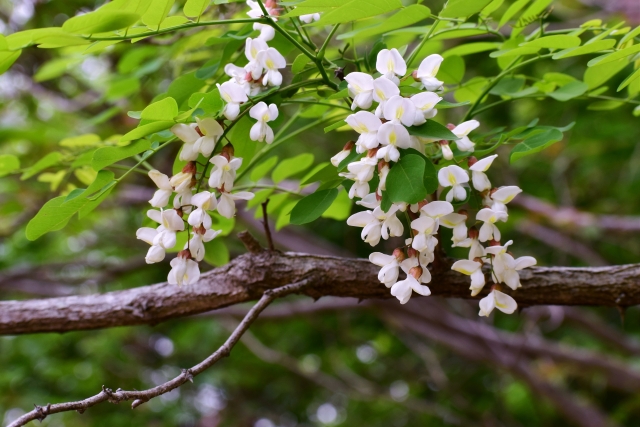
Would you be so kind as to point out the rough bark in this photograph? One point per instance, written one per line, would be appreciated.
(248, 276)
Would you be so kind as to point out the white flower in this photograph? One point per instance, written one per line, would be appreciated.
(343, 154)
(164, 237)
(267, 32)
(461, 131)
(391, 64)
(457, 222)
(504, 195)
(196, 244)
(427, 71)
(251, 50)
(383, 173)
(200, 138)
(181, 181)
(505, 267)
(233, 95)
(447, 153)
(478, 177)
(363, 169)
(383, 90)
(473, 269)
(182, 200)
(425, 227)
(376, 224)
(311, 17)
(161, 196)
(367, 125)
(437, 209)
(499, 300)
(390, 267)
(476, 249)
(489, 230)
(227, 202)
(403, 289)
(370, 201)
(260, 131)
(400, 110)
(238, 75)
(183, 272)
(392, 136)
(224, 172)
(204, 201)
(360, 87)
(272, 60)
(156, 253)
(453, 176)
(425, 103)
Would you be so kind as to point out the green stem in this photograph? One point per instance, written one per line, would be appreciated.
(160, 147)
(426, 38)
(322, 50)
(328, 104)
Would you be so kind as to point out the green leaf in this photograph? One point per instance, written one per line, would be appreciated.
(7, 58)
(122, 87)
(605, 105)
(463, 8)
(512, 11)
(569, 91)
(54, 68)
(55, 214)
(106, 156)
(561, 41)
(312, 206)
(165, 110)
(358, 9)
(405, 17)
(86, 140)
(314, 6)
(216, 252)
(452, 70)
(432, 130)
(405, 180)
(148, 129)
(299, 63)
(324, 173)
(263, 168)
(535, 144)
(195, 8)
(610, 57)
(8, 164)
(292, 166)
(47, 161)
(630, 79)
(518, 51)
(344, 93)
(588, 48)
(99, 22)
(443, 105)
(340, 208)
(181, 88)
(600, 74)
(156, 13)
(470, 48)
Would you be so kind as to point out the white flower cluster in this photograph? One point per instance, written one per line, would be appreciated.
(382, 133)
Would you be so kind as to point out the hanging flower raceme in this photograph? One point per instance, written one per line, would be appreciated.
(263, 114)
(376, 224)
(405, 288)
(505, 267)
(496, 299)
(474, 269)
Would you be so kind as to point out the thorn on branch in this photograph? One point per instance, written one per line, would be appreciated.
(137, 403)
(42, 411)
(188, 374)
(250, 242)
(265, 222)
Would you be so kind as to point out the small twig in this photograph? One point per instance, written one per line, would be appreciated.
(140, 397)
(265, 222)
(250, 242)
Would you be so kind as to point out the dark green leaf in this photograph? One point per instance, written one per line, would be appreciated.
(106, 156)
(432, 130)
(405, 182)
(311, 207)
(535, 144)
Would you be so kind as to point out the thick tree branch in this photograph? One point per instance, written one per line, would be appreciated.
(248, 276)
(140, 397)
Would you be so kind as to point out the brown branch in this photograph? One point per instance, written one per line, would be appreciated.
(246, 278)
(140, 397)
(265, 223)
(568, 217)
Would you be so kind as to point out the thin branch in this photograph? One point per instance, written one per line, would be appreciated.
(265, 223)
(140, 397)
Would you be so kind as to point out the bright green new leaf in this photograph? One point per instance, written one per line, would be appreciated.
(55, 214)
(471, 48)
(600, 74)
(292, 166)
(314, 6)
(358, 9)
(106, 156)
(216, 252)
(405, 17)
(260, 197)
(86, 140)
(561, 41)
(512, 11)
(596, 46)
(165, 109)
(54, 68)
(463, 8)
(263, 168)
(7, 58)
(605, 105)
(569, 91)
(47, 161)
(209, 102)
(610, 57)
(312, 206)
(340, 208)
(452, 70)
(99, 22)
(518, 51)
(156, 13)
(405, 180)
(325, 172)
(145, 130)
(630, 79)
(195, 8)
(432, 130)
(8, 163)
(299, 63)
(535, 144)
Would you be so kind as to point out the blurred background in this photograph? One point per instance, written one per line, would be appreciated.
(332, 362)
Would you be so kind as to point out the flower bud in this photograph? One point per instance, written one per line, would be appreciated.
(190, 168)
(197, 129)
(412, 252)
(200, 230)
(415, 75)
(493, 190)
(179, 212)
(472, 161)
(451, 126)
(378, 196)
(422, 204)
(349, 146)
(185, 253)
(228, 152)
(473, 233)
(372, 152)
(494, 242)
(398, 254)
(464, 212)
(478, 259)
(416, 272)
